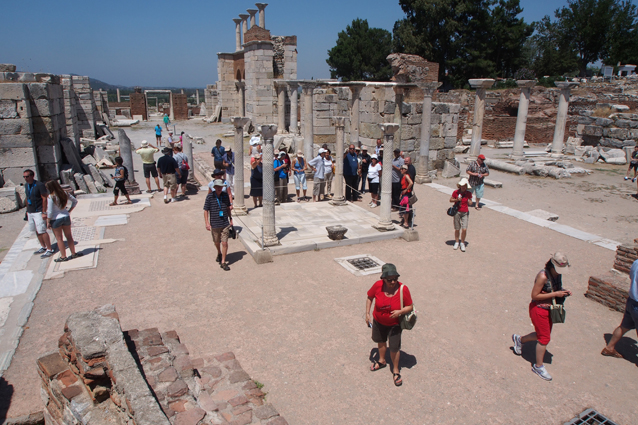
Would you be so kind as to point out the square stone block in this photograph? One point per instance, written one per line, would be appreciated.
(17, 157)
(13, 91)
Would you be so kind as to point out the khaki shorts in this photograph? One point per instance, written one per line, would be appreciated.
(37, 223)
(318, 187)
(220, 234)
(169, 180)
(460, 220)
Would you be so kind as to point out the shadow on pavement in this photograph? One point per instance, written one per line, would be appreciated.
(529, 353)
(406, 360)
(6, 392)
(451, 242)
(627, 347)
(234, 257)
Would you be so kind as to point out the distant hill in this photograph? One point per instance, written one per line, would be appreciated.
(101, 85)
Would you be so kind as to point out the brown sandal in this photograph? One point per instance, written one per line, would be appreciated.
(611, 353)
(113, 204)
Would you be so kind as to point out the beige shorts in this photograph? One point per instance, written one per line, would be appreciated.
(460, 220)
(170, 181)
(220, 234)
(318, 187)
(37, 223)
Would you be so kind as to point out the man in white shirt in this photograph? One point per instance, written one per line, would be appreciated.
(319, 183)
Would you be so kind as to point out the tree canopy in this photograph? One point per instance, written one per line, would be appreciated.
(360, 53)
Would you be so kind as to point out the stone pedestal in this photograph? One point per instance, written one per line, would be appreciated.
(561, 117)
(270, 234)
(239, 208)
(237, 22)
(385, 222)
(355, 89)
(308, 142)
(262, 14)
(521, 118)
(423, 167)
(338, 198)
(294, 105)
(479, 111)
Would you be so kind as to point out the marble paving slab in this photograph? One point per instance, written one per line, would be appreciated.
(15, 283)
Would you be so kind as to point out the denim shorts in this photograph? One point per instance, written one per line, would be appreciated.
(630, 319)
(59, 222)
(478, 190)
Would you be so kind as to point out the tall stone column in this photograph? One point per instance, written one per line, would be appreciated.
(281, 106)
(262, 14)
(338, 198)
(241, 88)
(479, 111)
(187, 146)
(308, 136)
(239, 208)
(294, 104)
(252, 13)
(244, 24)
(521, 118)
(423, 167)
(237, 22)
(197, 96)
(561, 118)
(268, 220)
(118, 96)
(171, 113)
(126, 152)
(385, 223)
(355, 89)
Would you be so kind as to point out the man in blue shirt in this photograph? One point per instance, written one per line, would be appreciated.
(350, 172)
(218, 153)
(281, 178)
(630, 319)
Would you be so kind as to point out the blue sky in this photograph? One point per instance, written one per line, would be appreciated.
(174, 43)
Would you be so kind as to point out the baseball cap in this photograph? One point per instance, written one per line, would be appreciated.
(322, 150)
(560, 262)
(374, 156)
(464, 182)
(481, 156)
(364, 148)
(282, 153)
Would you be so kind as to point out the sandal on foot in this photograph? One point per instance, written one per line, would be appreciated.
(128, 202)
(224, 266)
(61, 259)
(77, 254)
(396, 377)
(377, 366)
(611, 353)
(112, 204)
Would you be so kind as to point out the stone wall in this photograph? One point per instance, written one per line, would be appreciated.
(137, 102)
(228, 95)
(617, 131)
(211, 98)
(612, 289)
(180, 106)
(260, 90)
(290, 57)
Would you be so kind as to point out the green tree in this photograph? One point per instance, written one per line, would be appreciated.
(360, 53)
(623, 40)
(509, 34)
(547, 51)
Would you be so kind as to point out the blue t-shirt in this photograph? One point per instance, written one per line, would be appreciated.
(633, 288)
(350, 165)
(158, 130)
(282, 173)
(218, 153)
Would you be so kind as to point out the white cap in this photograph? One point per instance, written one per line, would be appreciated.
(321, 150)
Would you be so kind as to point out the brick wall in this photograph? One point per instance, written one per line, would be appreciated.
(180, 106)
(138, 105)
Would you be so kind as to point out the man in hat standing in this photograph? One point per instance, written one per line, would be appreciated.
(319, 183)
(477, 170)
(168, 169)
(147, 152)
(397, 162)
(218, 220)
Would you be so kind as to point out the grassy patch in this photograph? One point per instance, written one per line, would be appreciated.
(259, 384)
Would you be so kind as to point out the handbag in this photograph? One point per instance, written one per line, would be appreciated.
(557, 312)
(407, 320)
(453, 209)
(413, 199)
(232, 233)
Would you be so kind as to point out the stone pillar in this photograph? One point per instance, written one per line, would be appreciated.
(338, 198)
(292, 95)
(241, 88)
(252, 13)
(521, 117)
(561, 118)
(308, 136)
(188, 151)
(237, 22)
(479, 111)
(118, 96)
(385, 223)
(244, 24)
(239, 208)
(398, 102)
(281, 106)
(423, 167)
(171, 113)
(355, 89)
(268, 220)
(197, 97)
(262, 14)
(126, 152)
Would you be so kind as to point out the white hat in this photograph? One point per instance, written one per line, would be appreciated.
(144, 143)
(464, 182)
(218, 182)
(282, 153)
(560, 262)
(322, 150)
(374, 156)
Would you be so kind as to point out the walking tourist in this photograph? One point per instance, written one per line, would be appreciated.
(167, 120)
(374, 177)
(350, 172)
(147, 152)
(218, 220)
(170, 140)
(363, 167)
(385, 322)
(168, 171)
(328, 163)
(257, 180)
(630, 319)
(182, 139)
(548, 287)
(406, 193)
(59, 219)
(319, 184)
(281, 178)
(219, 175)
(120, 176)
(158, 134)
(299, 175)
(633, 163)
(397, 162)
(37, 204)
(477, 170)
(229, 166)
(218, 154)
(463, 196)
(182, 163)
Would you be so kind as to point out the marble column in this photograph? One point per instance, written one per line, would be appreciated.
(237, 22)
(561, 118)
(281, 106)
(268, 219)
(521, 117)
(338, 198)
(355, 89)
(239, 208)
(385, 223)
(479, 111)
(398, 102)
(171, 114)
(187, 147)
(308, 139)
(292, 95)
(197, 97)
(241, 88)
(244, 24)
(118, 96)
(423, 167)
(262, 14)
(126, 152)
(252, 13)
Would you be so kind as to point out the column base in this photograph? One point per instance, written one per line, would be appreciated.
(422, 179)
(384, 227)
(262, 257)
(240, 210)
(410, 235)
(517, 157)
(271, 241)
(338, 202)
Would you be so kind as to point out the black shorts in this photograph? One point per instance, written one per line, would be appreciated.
(184, 177)
(120, 186)
(633, 165)
(392, 334)
(150, 169)
(374, 187)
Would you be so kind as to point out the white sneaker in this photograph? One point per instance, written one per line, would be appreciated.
(518, 345)
(462, 245)
(626, 178)
(456, 245)
(173, 200)
(542, 372)
(373, 206)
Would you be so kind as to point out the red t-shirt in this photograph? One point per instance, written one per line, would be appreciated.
(467, 196)
(384, 306)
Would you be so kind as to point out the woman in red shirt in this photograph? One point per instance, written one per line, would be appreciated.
(463, 196)
(387, 315)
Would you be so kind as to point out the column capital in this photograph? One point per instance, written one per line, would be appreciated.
(261, 6)
(308, 87)
(237, 21)
(526, 84)
(244, 17)
(429, 88)
(565, 85)
(389, 128)
(252, 12)
(239, 122)
(339, 121)
(268, 131)
(481, 83)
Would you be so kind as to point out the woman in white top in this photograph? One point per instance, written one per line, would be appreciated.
(374, 177)
(327, 160)
(59, 218)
